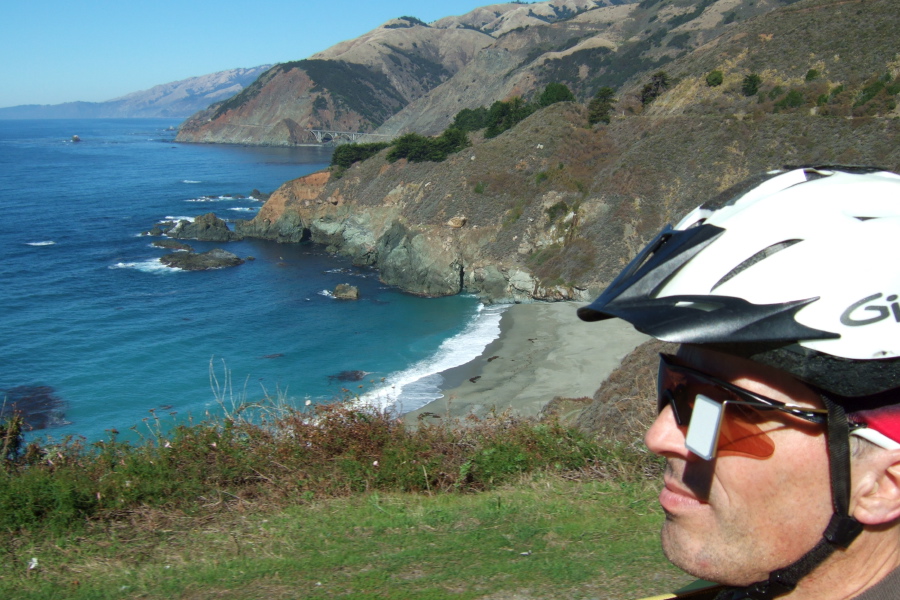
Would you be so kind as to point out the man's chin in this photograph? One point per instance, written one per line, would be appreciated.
(695, 560)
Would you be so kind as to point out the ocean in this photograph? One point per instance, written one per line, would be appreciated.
(105, 337)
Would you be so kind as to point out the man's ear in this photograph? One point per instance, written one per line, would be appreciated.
(876, 485)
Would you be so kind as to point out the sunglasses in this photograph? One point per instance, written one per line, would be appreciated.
(722, 418)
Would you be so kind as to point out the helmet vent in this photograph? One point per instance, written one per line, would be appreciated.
(761, 255)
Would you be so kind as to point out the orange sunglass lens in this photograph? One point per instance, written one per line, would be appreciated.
(740, 437)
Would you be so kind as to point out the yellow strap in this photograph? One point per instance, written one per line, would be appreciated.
(698, 589)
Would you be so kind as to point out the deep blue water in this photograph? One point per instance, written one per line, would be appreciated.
(90, 313)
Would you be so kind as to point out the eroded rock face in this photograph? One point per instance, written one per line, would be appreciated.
(420, 225)
(281, 217)
(213, 259)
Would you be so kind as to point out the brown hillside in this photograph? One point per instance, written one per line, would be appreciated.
(552, 208)
(410, 76)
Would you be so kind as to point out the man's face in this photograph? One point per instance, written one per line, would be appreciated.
(734, 519)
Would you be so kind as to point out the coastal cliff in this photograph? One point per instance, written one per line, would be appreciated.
(554, 207)
(399, 218)
(549, 210)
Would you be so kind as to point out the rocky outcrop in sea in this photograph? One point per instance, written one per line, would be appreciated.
(192, 261)
(207, 228)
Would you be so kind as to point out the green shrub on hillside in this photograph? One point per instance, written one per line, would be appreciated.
(471, 119)
(411, 146)
(418, 148)
(869, 92)
(750, 85)
(560, 209)
(812, 75)
(553, 93)
(600, 106)
(347, 154)
(793, 99)
(505, 115)
(659, 83)
(714, 78)
(11, 439)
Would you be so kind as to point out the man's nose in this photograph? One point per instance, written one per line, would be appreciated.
(665, 437)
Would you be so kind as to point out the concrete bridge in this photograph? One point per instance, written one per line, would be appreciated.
(324, 136)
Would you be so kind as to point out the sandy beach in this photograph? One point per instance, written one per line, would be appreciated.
(544, 350)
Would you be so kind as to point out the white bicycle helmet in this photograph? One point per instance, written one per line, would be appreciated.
(796, 269)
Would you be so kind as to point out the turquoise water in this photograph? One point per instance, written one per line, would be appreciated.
(92, 320)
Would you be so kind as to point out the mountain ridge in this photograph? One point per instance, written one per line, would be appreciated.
(511, 50)
(177, 99)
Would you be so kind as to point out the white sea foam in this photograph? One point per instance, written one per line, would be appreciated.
(245, 209)
(155, 247)
(223, 199)
(190, 181)
(146, 266)
(326, 293)
(44, 243)
(176, 219)
(212, 199)
(420, 384)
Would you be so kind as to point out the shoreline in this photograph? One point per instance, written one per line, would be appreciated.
(543, 351)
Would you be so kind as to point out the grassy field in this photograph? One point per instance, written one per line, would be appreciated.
(564, 518)
(544, 537)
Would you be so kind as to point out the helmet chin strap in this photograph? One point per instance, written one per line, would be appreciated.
(841, 530)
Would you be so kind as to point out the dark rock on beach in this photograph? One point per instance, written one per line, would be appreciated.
(190, 261)
(207, 228)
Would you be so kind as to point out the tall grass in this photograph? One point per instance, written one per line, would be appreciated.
(279, 455)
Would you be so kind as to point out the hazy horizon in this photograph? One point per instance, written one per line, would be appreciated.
(99, 50)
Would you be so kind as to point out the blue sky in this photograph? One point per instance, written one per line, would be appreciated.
(54, 51)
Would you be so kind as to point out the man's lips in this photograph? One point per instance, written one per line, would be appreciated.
(675, 497)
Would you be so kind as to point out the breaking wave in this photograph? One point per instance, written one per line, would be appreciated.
(420, 384)
(146, 266)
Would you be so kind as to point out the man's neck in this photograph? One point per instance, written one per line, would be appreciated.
(848, 573)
